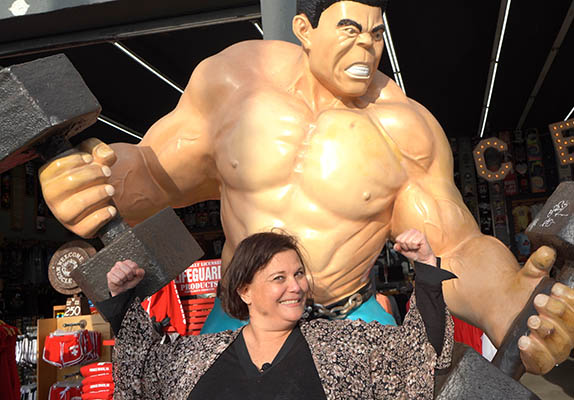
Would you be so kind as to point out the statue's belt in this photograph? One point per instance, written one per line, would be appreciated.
(340, 309)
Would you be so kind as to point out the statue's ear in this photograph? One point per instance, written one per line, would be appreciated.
(302, 29)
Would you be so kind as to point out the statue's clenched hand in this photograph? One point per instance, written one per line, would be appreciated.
(551, 335)
(76, 190)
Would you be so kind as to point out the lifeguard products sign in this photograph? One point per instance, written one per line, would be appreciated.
(201, 277)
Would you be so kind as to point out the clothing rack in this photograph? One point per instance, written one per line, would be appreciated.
(26, 345)
(29, 392)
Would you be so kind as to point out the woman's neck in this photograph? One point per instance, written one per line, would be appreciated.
(263, 344)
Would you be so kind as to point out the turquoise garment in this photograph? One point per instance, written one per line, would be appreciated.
(219, 321)
(371, 310)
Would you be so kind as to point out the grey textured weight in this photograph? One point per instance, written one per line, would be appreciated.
(42, 103)
(554, 224)
(161, 245)
(472, 377)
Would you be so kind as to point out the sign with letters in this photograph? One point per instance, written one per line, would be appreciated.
(480, 161)
(200, 278)
(562, 137)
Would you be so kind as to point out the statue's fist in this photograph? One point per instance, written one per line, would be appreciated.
(76, 190)
(551, 335)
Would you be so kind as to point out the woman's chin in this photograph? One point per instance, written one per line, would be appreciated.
(294, 315)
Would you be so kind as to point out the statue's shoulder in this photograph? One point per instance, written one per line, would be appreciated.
(254, 60)
(384, 89)
(263, 48)
(256, 55)
(243, 66)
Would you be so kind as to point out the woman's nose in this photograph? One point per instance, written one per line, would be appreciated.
(295, 285)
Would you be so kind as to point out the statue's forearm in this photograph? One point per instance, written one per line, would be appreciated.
(137, 193)
(487, 293)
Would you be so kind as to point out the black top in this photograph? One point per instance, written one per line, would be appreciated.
(430, 302)
(292, 374)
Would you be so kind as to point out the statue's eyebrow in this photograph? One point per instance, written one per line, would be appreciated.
(347, 22)
(377, 28)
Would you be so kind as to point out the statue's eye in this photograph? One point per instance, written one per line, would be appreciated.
(351, 30)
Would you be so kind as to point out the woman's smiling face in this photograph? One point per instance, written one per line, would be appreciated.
(278, 291)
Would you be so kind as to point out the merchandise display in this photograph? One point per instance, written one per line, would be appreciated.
(98, 383)
(28, 392)
(65, 390)
(65, 349)
(166, 304)
(68, 344)
(26, 360)
(101, 368)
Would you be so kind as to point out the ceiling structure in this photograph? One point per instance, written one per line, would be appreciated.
(444, 51)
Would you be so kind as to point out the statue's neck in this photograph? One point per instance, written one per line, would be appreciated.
(308, 88)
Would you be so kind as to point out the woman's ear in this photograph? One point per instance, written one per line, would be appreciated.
(245, 293)
(302, 29)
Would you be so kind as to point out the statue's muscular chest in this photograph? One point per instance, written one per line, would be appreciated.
(339, 160)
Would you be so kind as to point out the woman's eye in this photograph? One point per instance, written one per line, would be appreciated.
(299, 273)
(278, 278)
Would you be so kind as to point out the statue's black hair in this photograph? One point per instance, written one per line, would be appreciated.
(314, 8)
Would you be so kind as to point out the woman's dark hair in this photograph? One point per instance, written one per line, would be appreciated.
(314, 8)
(252, 255)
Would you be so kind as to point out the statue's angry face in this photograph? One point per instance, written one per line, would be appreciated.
(345, 48)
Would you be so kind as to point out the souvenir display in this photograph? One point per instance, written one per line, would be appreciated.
(535, 165)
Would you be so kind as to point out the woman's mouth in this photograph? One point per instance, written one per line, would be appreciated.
(290, 302)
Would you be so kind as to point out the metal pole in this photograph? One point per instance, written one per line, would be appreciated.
(120, 127)
(496, 47)
(147, 66)
(277, 16)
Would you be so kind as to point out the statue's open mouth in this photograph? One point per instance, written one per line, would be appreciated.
(359, 71)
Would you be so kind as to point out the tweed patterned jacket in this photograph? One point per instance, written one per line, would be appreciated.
(354, 359)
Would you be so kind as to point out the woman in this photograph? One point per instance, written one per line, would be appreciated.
(277, 355)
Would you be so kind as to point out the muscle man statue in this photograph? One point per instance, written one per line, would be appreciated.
(315, 140)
